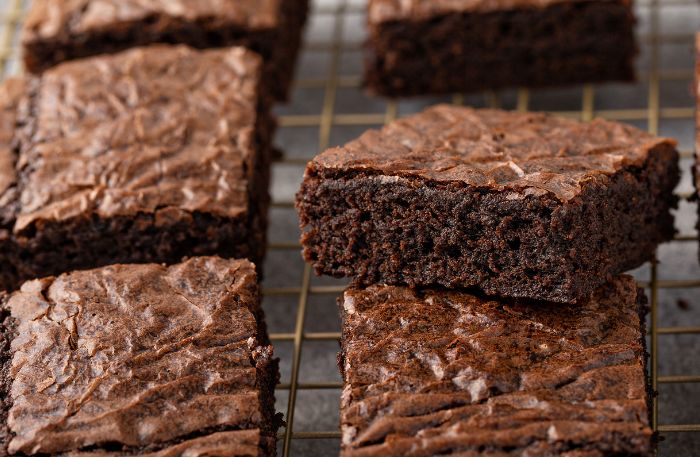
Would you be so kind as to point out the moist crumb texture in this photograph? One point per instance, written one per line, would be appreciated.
(442, 46)
(59, 30)
(435, 372)
(147, 155)
(138, 360)
(517, 204)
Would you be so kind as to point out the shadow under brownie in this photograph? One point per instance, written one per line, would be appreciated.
(516, 204)
(138, 360)
(148, 155)
(444, 46)
(58, 30)
(435, 372)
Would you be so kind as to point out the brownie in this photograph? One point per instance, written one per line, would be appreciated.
(696, 168)
(518, 204)
(442, 46)
(435, 372)
(58, 30)
(139, 359)
(148, 155)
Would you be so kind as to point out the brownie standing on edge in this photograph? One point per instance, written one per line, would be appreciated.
(144, 156)
(441, 372)
(518, 204)
(139, 360)
(58, 30)
(441, 46)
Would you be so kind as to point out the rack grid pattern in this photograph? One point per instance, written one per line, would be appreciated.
(330, 115)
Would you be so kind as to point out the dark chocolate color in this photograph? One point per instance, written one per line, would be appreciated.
(147, 155)
(139, 359)
(58, 30)
(443, 46)
(517, 204)
(443, 372)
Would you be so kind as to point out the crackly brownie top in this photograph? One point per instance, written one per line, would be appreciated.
(530, 153)
(437, 371)
(136, 355)
(417, 10)
(60, 19)
(162, 129)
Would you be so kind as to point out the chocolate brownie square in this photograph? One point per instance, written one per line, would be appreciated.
(143, 156)
(435, 372)
(139, 359)
(517, 204)
(58, 30)
(441, 46)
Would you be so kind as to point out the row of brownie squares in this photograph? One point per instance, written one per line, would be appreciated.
(415, 46)
(151, 154)
(488, 315)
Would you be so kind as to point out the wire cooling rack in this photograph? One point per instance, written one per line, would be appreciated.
(329, 107)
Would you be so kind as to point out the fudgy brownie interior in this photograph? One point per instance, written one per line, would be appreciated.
(519, 205)
(435, 46)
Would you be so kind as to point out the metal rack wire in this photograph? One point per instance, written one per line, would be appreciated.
(331, 115)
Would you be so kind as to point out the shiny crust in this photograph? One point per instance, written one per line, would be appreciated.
(59, 18)
(524, 153)
(437, 372)
(418, 10)
(158, 360)
(162, 128)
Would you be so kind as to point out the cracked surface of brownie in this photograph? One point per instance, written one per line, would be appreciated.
(517, 204)
(435, 372)
(58, 30)
(447, 46)
(139, 360)
(148, 155)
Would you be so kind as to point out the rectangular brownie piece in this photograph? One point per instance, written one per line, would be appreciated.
(517, 204)
(442, 46)
(436, 372)
(147, 155)
(58, 30)
(138, 360)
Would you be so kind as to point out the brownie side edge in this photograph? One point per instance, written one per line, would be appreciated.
(279, 46)
(383, 229)
(7, 334)
(456, 51)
